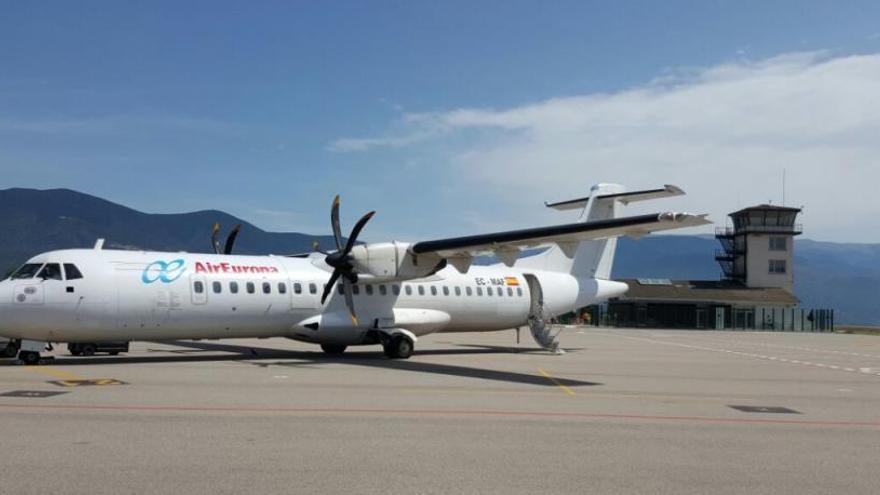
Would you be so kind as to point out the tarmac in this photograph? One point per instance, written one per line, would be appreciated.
(622, 411)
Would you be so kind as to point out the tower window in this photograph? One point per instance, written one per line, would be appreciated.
(778, 243)
(777, 266)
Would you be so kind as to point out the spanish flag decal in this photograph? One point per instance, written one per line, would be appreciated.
(511, 281)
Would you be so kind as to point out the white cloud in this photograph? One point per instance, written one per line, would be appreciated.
(724, 133)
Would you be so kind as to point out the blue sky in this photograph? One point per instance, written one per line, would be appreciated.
(446, 117)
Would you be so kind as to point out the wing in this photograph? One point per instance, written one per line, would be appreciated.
(506, 245)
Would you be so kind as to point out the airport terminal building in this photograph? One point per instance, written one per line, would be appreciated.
(756, 292)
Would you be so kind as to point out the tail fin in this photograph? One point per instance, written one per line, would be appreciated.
(595, 258)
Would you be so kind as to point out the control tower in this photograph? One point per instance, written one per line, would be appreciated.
(759, 250)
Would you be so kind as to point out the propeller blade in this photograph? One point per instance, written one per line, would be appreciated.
(329, 287)
(334, 222)
(215, 244)
(230, 239)
(357, 230)
(349, 299)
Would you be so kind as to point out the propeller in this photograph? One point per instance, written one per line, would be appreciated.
(230, 239)
(341, 259)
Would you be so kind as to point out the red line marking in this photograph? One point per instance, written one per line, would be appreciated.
(442, 412)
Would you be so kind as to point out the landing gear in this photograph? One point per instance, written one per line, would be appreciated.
(399, 347)
(333, 349)
(29, 358)
(11, 349)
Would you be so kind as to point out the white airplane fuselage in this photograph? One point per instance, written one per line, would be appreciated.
(132, 295)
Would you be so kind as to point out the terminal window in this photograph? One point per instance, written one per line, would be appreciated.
(777, 243)
(777, 266)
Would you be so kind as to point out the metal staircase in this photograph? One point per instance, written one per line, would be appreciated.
(544, 333)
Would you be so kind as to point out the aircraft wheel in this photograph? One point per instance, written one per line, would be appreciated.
(401, 347)
(11, 350)
(74, 349)
(88, 349)
(334, 349)
(29, 358)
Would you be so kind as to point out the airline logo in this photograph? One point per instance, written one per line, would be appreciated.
(163, 271)
(511, 281)
(233, 268)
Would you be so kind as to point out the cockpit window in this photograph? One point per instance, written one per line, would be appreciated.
(52, 271)
(28, 270)
(71, 272)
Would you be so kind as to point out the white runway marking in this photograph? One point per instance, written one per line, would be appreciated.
(863, 371)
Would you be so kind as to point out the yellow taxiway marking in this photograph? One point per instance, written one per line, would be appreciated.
(55, 372)
(554, 380)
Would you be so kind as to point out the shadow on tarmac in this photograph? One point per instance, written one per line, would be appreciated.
(265, 357)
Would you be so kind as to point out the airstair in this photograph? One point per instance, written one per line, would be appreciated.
(545, 333)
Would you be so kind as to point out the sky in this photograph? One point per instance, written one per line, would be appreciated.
(448, 118)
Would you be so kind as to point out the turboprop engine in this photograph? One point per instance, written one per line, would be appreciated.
(385, 261)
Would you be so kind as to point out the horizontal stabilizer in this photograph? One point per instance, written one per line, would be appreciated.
(625, 198)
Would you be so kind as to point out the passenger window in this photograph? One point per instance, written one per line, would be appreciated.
(421, 290)
(233, 287)
(52, 271)
(408, 289)
(369, 289)
(27, 270)
(71, 272)
(395, 289)
(356, 289)
(282, 288)
(313, 289)
(479, 291)
(488, 291)
(509, 291)
(445, 290)
(297, 288)
(250, 288)
(433, 290)
(519, 291)
(198, 287)
(267, 288)
(217, 287)
(383, 290)
(457, 290)
(468, 291)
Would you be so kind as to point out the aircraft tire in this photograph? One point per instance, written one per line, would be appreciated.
(333, 349)
(401, 347)
(88, 349)
(11, 350)
(29, 358)
(74, 349)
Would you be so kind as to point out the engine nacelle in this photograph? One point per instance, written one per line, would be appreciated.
(382, 261)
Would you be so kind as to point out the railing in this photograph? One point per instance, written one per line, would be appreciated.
(760, 229)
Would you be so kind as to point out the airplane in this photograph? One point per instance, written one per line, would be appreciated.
(383, 293)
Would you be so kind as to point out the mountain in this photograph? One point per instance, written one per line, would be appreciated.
(845, 277)
(35, 221)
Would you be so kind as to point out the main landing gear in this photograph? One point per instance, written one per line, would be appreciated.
(333, 349)
(398, 347)
(29, 358)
